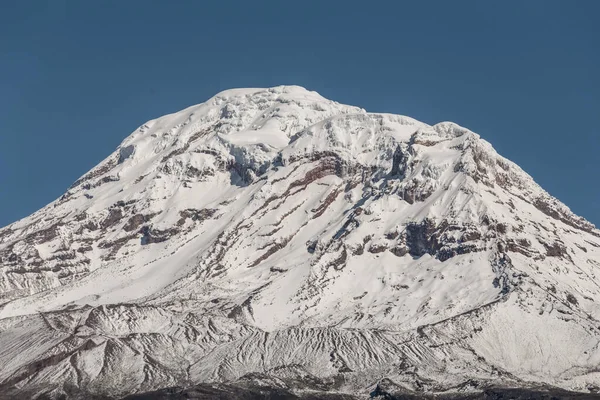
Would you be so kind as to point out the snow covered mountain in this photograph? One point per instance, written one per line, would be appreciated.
(275, 236)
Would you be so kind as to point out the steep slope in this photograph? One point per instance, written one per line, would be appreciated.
(275, 232)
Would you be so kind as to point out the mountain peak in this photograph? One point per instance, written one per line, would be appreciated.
(274, 218)
(284, 92)
(281, 89)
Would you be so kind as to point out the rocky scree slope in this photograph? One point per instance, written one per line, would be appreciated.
(275, 236)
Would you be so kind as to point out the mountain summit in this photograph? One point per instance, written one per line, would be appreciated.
(276, 238)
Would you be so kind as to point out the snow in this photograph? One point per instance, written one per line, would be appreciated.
(280, 219)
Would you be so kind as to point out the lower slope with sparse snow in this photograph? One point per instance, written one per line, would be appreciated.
(272, 234)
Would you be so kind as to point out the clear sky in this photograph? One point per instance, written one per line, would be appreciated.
(77, 77)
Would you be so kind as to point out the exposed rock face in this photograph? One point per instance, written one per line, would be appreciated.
(274, 238)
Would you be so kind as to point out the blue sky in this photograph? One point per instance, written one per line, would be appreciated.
(77, 77)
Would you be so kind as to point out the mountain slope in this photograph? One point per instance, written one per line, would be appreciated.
(275, 232)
